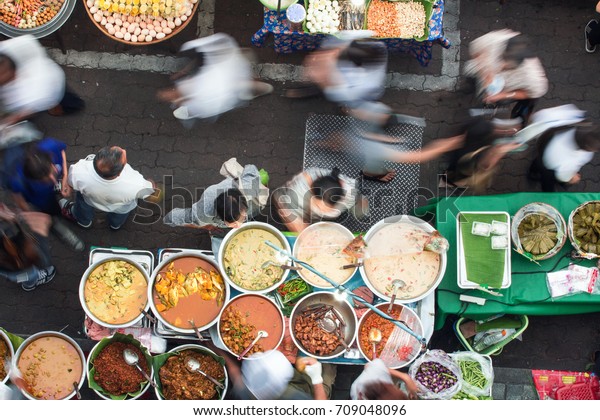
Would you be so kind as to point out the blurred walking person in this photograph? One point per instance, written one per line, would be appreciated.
(221, 83)
(592, 33)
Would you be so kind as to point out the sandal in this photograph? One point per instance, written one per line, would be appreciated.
(384, 178)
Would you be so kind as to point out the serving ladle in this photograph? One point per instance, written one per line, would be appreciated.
(397, 284)
(282, 266)
(329, 325)
(193, 365)
(375, 338)
(132, 359)
(196, 330)
(260, 335)
(76, 389)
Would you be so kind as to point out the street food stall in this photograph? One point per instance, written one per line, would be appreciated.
(528, 290)
(404, 31)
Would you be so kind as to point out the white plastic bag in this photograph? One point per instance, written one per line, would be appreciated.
(487, 371)
(437, 375)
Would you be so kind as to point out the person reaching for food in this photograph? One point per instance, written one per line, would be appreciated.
(378, 382)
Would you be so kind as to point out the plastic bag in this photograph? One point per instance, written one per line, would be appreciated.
(437, 375)
(486, 372)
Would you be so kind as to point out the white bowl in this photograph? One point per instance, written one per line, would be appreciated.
(64, 337)
(344, 309)
(86, 275)
(419, 224)
(89, 368)
(197, 348)
(272, 4)
(248, 226)
(312, 230)
(204, 260)
(413, 321)
(11, 353)
(280, 318)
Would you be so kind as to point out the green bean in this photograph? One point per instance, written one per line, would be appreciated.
(472, 373)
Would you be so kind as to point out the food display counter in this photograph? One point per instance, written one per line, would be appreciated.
(39, 18)
(286, 40)
(528, 292)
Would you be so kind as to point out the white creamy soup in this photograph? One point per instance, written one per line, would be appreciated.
(322, 248)
(396, 252)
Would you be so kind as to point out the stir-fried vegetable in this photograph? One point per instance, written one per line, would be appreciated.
(435, 377)
(472, 373)
(293, 289)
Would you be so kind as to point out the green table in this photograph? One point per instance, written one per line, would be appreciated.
(528, 293)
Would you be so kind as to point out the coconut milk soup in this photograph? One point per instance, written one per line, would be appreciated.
(396, 252)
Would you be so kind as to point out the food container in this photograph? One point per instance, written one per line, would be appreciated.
(160, 360)
(138, 302)
(61, 16)
(389, 13)
(591, 211)
(344, 311)
(57, 359)
(537, 210)
(321, 246)
(115, 19)
(403, 347)
(91, 369)
(473, 276)
(243, 254)
(391, 251)
(202, 306)
(258, 313)
(10, 352)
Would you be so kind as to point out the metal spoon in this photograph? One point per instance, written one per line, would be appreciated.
(76, 389)
(282, 266)
(375, 338)
(193, 365)
(396, 284)
(260, 334)
(330, 326)
(197, 331)
(132, 359)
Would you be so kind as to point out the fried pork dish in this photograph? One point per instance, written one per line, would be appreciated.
(178, 383)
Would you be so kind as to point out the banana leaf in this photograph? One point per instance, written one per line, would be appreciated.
(15, 340)
(117, 337)
(159, 360)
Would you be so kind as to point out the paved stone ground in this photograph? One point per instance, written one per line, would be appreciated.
(122, 110)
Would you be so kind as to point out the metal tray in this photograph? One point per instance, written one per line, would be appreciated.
(158, 327)
(462, 280)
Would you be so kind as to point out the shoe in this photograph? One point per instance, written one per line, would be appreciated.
(66, 209)
(588, 28)
(67, 235)
(257, 89)
(46, 276)
(117, 227)
(181, 113)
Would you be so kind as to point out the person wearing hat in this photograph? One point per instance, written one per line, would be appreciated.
(270, 376)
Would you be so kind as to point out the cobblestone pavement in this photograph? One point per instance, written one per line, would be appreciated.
(119, 84)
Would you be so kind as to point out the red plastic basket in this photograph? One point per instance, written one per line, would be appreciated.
(581, 391)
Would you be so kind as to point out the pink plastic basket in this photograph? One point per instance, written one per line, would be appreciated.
(581, 391)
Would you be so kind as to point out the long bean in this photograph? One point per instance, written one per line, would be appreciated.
(472, 373)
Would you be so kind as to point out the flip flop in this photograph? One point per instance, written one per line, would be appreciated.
(379, 178)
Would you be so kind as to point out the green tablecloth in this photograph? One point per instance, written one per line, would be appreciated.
(528, 293)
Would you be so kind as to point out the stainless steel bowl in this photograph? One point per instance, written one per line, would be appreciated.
(84, 279)
(94, 353)
(343, 308)
(249, 226)
(43, 30)
(11, 353)
(415, 222)
(160, 267)
(199, 349)
(64, 337)
(312, 229)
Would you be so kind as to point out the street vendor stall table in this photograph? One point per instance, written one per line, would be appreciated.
(287, 41)
(11, 29)
(528, 293)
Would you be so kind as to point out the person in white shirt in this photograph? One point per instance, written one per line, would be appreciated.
(376, 382)
(30, 82)
(562, 152)
(105, 182)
